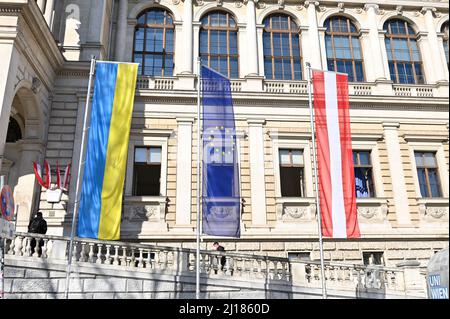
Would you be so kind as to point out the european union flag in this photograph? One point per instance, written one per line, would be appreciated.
(221, 199)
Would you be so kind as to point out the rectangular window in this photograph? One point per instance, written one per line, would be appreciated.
(427, 172)
(292, 173)
(373, 258)
(363, 174)
(147, 171)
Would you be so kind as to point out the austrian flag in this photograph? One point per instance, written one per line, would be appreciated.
(334, 156)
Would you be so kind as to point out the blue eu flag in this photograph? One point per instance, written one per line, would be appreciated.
(221, 199)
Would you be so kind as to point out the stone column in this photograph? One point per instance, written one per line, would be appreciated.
(257, 180)
(188, 38)
(25, 192)
(184, 172)
(252, 44)
(48, 14)
(437, 71)
(313, 36)
(373, 54)
(121, 30)
(396, 172)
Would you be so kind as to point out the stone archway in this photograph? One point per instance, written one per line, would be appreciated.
(23, 145)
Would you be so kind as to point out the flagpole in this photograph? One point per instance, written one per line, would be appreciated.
(316, 181)
(77, 189)
(197, 274)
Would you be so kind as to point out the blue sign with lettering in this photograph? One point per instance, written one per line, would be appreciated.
(437, 291)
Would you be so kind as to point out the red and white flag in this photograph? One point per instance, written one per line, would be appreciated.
(334, 156)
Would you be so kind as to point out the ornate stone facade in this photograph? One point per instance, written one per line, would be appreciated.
(390, 120)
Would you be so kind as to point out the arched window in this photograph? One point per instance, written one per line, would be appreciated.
(344, 52)
(218, 43)
(14, 132)
(444, 30)
(281, 42)
(405, 63)
(153, 43)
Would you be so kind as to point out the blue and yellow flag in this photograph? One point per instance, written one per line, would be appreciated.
(107, 150)
(221, 195)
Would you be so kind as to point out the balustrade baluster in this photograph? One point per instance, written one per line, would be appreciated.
(157, 260)
(18, 249)
(74, 252)
(12, 246)
(123, 259)
(27, 247)
(91, 253)
(132, 258)
(108, 255)
(116, 255)
(141, 259)
(99, 254)
(149, 260)
(37, 249)
(83, 255)
(44, 249)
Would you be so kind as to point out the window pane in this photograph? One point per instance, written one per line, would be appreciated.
(268, 68)
(285, 157)
(364, 158)
(140, 155)
(169, 41)
(155, 155)
(430, 160)
(419, 159)
(422, 182)
(291, 180)
(434, 183)
(203, 41)
(356, 48)
(297, 157)
(266, 42)
(359, 72)
(329, 47)
(147, 180)
(361, 182)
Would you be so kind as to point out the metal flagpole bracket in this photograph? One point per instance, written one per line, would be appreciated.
(316, 180)
(78, 185)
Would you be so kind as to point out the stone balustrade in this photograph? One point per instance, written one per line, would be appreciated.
(368, 281)
(297, 87)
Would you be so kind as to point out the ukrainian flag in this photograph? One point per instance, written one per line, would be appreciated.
(107, 149)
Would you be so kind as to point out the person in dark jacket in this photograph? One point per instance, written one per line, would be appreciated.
(37, 225)
(223, 260)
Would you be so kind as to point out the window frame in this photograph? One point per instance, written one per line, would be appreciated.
(294, 141)
(147, 163)
(420, 144)
(148, 138)
(292, 165)
(351, 36)
(163, 54)
(427, 168)
(274, 58)
(409, 38)
(383, 257)
(228, 29)
(372, 189)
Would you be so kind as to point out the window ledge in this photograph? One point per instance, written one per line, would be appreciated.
(144, 209)
(372, 210)
(433, 209)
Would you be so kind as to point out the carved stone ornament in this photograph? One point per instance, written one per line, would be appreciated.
(140, 213)
(219, 3)
(322, 8)
(299, 7)
(341, 6)
(367, 212)
(261, 5)
(295, 212)
(359, 10)
(238, 3)
(437, 212)
(176, 2)
(399, 10)
(280, 4)
(199, 2)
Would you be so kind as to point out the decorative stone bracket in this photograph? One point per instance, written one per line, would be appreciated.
(295, 210)
(372, 210)
(142, 215)
(433, 209)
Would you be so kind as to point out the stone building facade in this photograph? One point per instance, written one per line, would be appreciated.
(396, 52)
